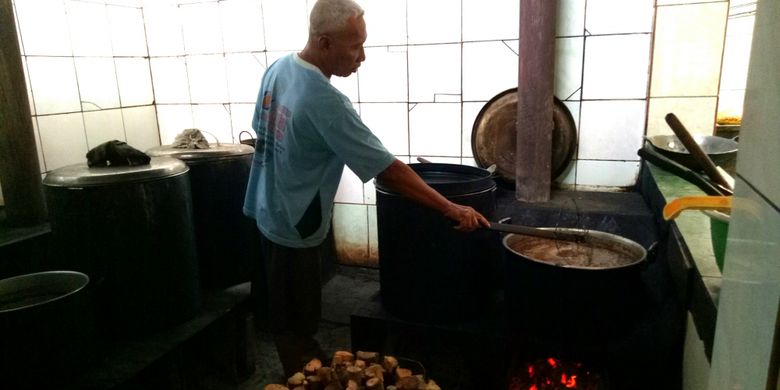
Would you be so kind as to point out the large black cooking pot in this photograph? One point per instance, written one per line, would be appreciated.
(428, 271)
(548, 293)
(47, 330)
(722, 151)
(218, 180)
(130, 229)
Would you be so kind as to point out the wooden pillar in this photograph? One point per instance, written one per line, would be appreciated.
(20, 173)
(536, 72)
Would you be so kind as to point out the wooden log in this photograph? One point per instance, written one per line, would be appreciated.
(298, 379)
(389, 363)
(409, 383)
(374, 371)
(355, 373)
(326, 375)
(275, 387)
(375, 383)
(314, 382)
(312, 366)
(342, 357)
(368, 357)
(431, 385)
(401, 373)
(360, 363)
(352, 385)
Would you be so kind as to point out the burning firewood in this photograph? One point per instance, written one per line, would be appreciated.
(368, 357)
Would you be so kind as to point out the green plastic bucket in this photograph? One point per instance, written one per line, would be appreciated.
(719, 230)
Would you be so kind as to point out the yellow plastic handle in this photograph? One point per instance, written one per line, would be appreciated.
(676, 206)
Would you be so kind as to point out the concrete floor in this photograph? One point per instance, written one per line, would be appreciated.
(347, 289)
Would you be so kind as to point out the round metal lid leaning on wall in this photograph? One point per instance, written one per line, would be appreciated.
(493, 139)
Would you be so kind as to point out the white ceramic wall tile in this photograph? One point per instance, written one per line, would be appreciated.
(438, 159)
(470, 112)
(141, 127)
(390, 123)
(207, 77)
(93, 38)
(163, 29)
(347, 85)
(568, 178)
(607, 174)
(350, 188)
(53, 84)
(616, 67)
(214, 119)
(382, 77)
(103, 126)
(736, 53)
(126, 3)
(373, 236)
(385, 22)
(447, 18)
(434, 70)
(696, 114)
(750, 290)
(759, 138)
(172, 120)
(202, 29)
(489, 68)
(350, 230)
(244, 73)
(241, 120)
(97, 83)
(568, 67)
(62, 140)
(242, 25)
(619, 16)
(44, 27)
(435, 129)
(611, 130)
(169, 76)
(688, 49)
(135, 81)
(286, 24)
(570, 20)
(128, 36)
(490, 19)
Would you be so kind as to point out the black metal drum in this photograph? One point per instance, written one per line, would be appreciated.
(130, 229)
(218, 179)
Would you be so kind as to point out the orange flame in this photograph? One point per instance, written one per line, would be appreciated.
(569, 382)
(552, 362)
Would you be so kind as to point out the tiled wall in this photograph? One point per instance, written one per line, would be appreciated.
(431, 66)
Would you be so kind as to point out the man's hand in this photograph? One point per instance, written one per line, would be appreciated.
(467, 218)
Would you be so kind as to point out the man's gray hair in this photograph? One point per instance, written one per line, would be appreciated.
(329, 16)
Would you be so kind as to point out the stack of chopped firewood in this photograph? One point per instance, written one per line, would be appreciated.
(360, 371)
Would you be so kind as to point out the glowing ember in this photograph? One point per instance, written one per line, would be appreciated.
(555, 374)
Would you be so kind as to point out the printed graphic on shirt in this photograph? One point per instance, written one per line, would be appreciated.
(274, 118)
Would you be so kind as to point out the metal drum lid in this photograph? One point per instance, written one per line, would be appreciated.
(494, 139)
(450, 179)
(81, 175)
(195, 156)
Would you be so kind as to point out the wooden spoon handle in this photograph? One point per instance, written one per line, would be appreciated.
(695, 150)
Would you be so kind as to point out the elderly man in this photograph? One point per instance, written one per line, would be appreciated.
(306, 132)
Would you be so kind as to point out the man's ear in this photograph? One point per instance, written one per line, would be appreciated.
(324, 42)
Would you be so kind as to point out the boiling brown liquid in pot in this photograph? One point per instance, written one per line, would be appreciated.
(569, 253)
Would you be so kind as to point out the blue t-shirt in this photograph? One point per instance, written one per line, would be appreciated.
(306, 132)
